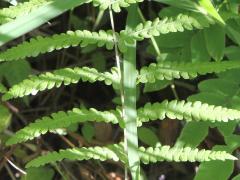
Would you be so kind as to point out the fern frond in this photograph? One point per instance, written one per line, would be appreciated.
(64, 76)
(116, 5)
(10, 13)
(171, 70)
(116, 152)
(167, 25)
(63, 120)
(190, 111)
(40, 45)
(166, 153)
(98, 153)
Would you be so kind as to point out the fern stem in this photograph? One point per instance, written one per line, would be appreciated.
(173, 88)
(154, 43)
(59, 171)
(98, 20)
(121, 86)
(117, 56)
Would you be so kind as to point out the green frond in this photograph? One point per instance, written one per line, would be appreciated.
(166, 153)
(115, 4)
(98, 153)
(171, 70)
(10, 13)
(167, 25)
(56, 78)
(63, 120)
(147, 155)
(40, 45)
(190, 111)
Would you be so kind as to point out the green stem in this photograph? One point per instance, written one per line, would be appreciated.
(118, 63)
(98, 20)
(130, 113)
(154, 42)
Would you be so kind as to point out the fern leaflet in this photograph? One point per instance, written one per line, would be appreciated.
(64, 76)
(116, 152)
(40, 45)
(167, 25)
(171, 70)
(63, 120)
(190, 111)
(115, 4)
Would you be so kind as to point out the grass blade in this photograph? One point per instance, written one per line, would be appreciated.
(36, 18)
(130, 113)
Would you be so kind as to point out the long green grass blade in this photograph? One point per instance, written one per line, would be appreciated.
(208, 6)
(130, 113)
(24, 24)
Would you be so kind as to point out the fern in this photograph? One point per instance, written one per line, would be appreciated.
(63, 120)
(99, 153)
(125, 40)
(147, 155)
(190, 111)
(166, 153)
(148, 74)
(114, 4)
(10, 13)
(40, 45)
(171, 70)
(167, 25)
(174, 110)
(156, 27)
(64, 76)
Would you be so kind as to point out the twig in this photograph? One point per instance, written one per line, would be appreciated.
(15, 166)
(67, 141)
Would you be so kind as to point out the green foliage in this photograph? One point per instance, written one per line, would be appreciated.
(180, 110)
(165, 153)
(39, 173)
(183, 55)
(64, 76)
(147, 136)
(40, 45)
(15, 72)
(5, 117)
(88, 131)
(116, 152)
(168, 25)
(171, 70)
(12, 12)
(2, 88)
(130, 97)
(26, 23)
(215, 41)
(190, 111)
(115, 5)
(112, 152)
(63, 119)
